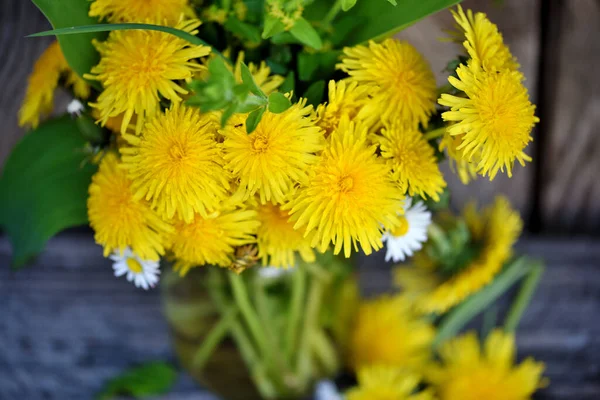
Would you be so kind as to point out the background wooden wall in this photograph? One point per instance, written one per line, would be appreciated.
(557, 43)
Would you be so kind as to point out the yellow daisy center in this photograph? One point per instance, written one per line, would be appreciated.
(134, 265)
(401, 229)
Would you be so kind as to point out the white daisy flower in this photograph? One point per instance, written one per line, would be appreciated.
(327, 390)
(273, 272)
(143, 273)
(75, 108)
(411, 234)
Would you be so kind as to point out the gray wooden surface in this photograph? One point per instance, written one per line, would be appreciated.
(67, 324)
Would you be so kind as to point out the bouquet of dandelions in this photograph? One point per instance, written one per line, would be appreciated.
(255, 147)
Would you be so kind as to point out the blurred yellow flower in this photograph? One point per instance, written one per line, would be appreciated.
(469, 372)
(493, 233)
(277, 239)
(154, 61)
(276, 156)
(387, 331)
(118, 219)
(43, 81)
(387, 383)
(466, 170)
(494, 120)
(411, 159)
(212, 239)
(349, 198)
(402, 85)
(176, 164)
(163, 12)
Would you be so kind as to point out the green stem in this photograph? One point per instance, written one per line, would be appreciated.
(333, 12)
(295, 313)
(490, 316)
(324, 350)
(438, 236)
(463, 313)
(524, 296)
(214, 338)
(436, 133)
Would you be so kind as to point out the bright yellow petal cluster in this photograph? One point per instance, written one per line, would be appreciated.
(469, 372)
(274, 158)
(277, 239)
(349, 198)
(387, 383)
(494, 120)
(138, 67)
(118, 219)
(402, 85)
(43, 81)
(483, 41)
(496, 230)
(177, 165)
(345, 100)
(212, 239)
(411, 159)
(387, 332)
(163, 12)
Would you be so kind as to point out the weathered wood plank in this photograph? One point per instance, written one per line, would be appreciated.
(570, 184)
(518, 20)
(67, 324)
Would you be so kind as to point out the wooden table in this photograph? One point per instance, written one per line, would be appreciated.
(67, 324)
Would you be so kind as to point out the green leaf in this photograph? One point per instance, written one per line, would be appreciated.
(314, 93)
(146, 380)
(248, 80)
(43, 189)
(78, 50)
(375, 20)
(278, 103)
(348, 4)
(253, 119)
(243, 30)
(306, 34)
(289, 84)
(250, 104)
(315, 66)
(272, 26)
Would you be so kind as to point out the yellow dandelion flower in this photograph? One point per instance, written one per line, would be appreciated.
(469, 371)
(118, 219)
(484, 42)
(177, 165)
(402, 84)
(43, 81)
(212, 239)
(277, 239)
(411, 159)
(276, 156)
(495, 119)
(387, 383)
(493, 233)
(154, 60)
(345, 101)
(349, 197)
(387, 332)
(261, 74)
(167, 12)
(466, 170)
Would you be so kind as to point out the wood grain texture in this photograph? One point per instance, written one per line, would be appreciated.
(67, 324)
(570, 173)
(518, 20)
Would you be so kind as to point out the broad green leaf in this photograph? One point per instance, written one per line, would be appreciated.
(78, 50)
(314, 93)
(243, 30)
(375, 20)
(272, 27)
(306, 34)
(253, 119)
(248, 80)
(43, 189)
(250, 104)
(315, 66)
(278, 103)
(150, 379)
(348, 4)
